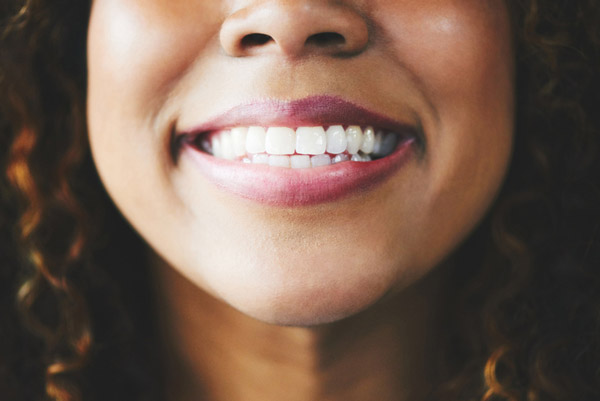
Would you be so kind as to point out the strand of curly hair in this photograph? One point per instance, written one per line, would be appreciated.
(50, 304)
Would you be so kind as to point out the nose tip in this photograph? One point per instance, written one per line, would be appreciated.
(294, 29)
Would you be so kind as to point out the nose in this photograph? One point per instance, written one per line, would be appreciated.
(294, 28)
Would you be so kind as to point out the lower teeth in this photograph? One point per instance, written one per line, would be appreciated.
(303, 161)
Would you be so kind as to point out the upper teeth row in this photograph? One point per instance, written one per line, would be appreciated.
(241, 141)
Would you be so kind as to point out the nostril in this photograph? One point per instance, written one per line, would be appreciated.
(295, 29)
(326, 39)
(255, 39)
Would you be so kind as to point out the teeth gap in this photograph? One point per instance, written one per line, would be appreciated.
(287, 147)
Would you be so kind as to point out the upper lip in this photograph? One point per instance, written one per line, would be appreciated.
(324, 110)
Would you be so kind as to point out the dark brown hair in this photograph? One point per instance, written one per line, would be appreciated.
(522, 303)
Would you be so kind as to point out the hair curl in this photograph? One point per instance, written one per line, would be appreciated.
(522, 304)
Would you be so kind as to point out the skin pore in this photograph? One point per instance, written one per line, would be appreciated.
(329, 301)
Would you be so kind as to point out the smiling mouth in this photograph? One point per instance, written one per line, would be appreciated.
(297, 153)
(298, 148)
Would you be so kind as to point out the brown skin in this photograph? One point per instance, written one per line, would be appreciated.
(155, 64)
(217, 353)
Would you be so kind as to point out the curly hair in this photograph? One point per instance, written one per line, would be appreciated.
(522, 300)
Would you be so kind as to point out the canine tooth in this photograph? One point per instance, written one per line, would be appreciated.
(300, 161)
(255, 140)
(245, 160)
(227, 146)
(340, 158)
(368, 140)
(354, 136)
(261, 158)
(320, 160)
(311, 140)
(356, 158)
(216, 147)
(280, 141)
(336, 139)
(367, 158)
(279, 161)
(238, 136)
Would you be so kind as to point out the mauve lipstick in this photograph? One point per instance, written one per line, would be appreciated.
(284, 187)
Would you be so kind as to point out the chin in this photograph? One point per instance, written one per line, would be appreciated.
(311, 296)
(305, 307)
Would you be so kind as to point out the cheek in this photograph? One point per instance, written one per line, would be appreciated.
(139, 49)
(460, 55)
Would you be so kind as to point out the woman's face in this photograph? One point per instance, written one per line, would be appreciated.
(291, 245)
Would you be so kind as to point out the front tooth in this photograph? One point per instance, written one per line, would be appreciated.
(279, 161)
(354, 136)
(238, 136)
(336, 139)
(320, 160)
(261, 158)
(368, 140)
(300, 161)
(280, 141)
(227, 146)
(216, 147)
(255, 140)
(311, 140)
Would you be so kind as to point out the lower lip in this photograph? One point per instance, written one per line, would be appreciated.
(286, 187)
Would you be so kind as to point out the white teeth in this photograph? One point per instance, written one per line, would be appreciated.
(368, 140)
(340, 158)
(227, 146)
(304, 147)
(377, 142)
(336, 139)
(320, 160)
(300, 161)
(356, 158)
(216, 147)
(360, 158)
(255, 140)
(279, 161)
(354, 136)
(260, 159)
(311, 140)
(280, 141)
(238, 136)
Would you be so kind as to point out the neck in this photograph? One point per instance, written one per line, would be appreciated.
(217, 353)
